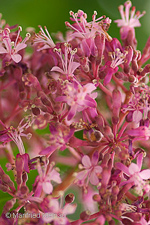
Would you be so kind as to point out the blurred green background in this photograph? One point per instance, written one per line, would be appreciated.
(53, 14)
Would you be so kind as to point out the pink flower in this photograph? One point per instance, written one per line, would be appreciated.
(43, 181)
(44, 39)
(15, 134)
(90, 170)
(138, 105)
(129, 20)
(114, 57)
(12, 48)
(67, 60)
(135, 175)
(60, 136)
(78, 97)
(139, 133)
(86, 31)
(58, 214)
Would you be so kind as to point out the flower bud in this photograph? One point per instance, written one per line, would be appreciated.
(9, 204)
(112, 222)
(115, 190)
(96, 198)
(85, 215)
(24, 177)
(4, 187)
(129, 117)
(24, 190)
(69, 198)
(36, 111)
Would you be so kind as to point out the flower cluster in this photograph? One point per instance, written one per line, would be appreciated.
(75, 124)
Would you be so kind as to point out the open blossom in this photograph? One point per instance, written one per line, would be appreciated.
(114, 57)
(44, 39)
(135, 175)
(67, 60)
(90, 170)
(78, 97)
(60, 136)
(43, 181)
(58, 214)
(138, 106)
(15, 134)
(129, 20)
(86, 31)
(12, 48)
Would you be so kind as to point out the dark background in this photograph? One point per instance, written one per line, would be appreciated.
(53, 14)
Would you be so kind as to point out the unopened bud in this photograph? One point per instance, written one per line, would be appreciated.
(36, 111)
(24, 189)
(3, 187)
(112, 222)
(115, 190)
(85, 215)
(69, 198)
(96, 198)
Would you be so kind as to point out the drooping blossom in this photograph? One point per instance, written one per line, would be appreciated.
(78, 97)
(136, 175)
(43, 181)
(11, 48)
(90, 170)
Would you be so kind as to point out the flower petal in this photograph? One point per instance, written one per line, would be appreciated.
(3, 50)
(82, 175)
(20, 46)
(95, 158)
(137, 116)
(47, 187)
(93, 178)
(57, 69)
(98, 169)
(145, 174)
(72, 112)
(69, 209)
(133, 168)
(55, 176)
(49, 150)
(123, 168)
(72, 67)
(140, 160)
(86, 161)
(16, 57)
